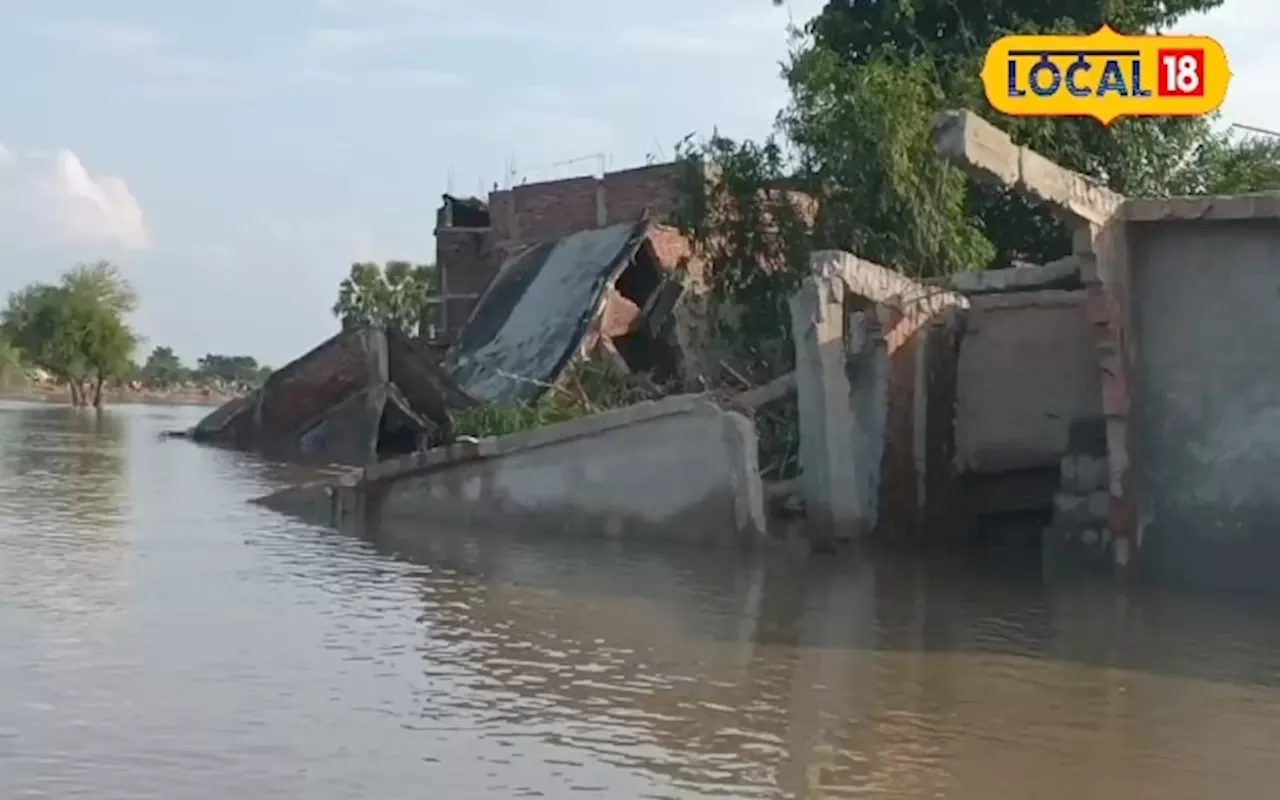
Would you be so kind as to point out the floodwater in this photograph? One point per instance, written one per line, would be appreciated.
(161, 638)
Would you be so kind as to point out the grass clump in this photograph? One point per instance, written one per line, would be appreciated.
(587, 387)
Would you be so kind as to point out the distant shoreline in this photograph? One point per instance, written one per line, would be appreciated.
(151, 397)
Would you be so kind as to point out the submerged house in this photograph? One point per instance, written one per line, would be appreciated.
(360, 396)
(543, 272)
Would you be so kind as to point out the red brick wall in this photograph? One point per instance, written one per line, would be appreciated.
(630, 192)
(539, 211)
(303, 390)
(469, 259)
(459, 311)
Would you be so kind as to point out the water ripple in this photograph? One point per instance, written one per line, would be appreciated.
(163, 638)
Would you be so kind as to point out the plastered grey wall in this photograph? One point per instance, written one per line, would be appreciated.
(680, 468)
(1026, 368)
(1206, 321)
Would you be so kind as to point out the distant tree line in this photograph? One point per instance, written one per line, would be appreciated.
(163, 369)
(77, 332)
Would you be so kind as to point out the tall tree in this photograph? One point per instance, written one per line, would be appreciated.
(163, 367)
(76, 329)
(868, 75)
(395, 295)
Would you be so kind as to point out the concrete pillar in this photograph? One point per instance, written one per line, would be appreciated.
(841, 394)
(867, 365)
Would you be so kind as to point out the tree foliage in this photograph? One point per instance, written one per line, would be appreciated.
(229, 369)
(866, 78)
(75, 329)
(11, 366)
(395, 295)
(163, 367)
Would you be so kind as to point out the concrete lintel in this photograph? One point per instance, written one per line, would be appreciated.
(987, 153)
(883, 285)
(1017, 279)
(1260, 205)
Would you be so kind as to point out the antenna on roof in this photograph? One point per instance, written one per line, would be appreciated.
(448, 181)
(1253, 129)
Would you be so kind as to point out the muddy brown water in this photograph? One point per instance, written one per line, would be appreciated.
(161, 638)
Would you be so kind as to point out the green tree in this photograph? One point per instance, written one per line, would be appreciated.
(395, 295)
(163, 368)
(229, 369)
(867, 77)
(76, 329)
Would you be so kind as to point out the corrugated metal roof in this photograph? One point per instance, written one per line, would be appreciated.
(531, 319)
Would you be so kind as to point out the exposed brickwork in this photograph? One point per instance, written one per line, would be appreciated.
(630, 193)
(539, 211)
(302, 391)
(672, 249)
(459, 311)
(468, 258)
(299, 393)
(1104, 261)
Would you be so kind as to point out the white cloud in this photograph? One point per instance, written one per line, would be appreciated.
(52, 199)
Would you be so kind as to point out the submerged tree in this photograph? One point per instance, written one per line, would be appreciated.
(395, 295)
(76, 329)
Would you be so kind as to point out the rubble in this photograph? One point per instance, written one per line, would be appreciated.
(360, 396)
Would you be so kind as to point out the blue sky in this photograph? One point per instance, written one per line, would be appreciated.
(234, 158)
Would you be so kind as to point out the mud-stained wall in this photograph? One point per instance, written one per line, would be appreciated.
(1206, 320)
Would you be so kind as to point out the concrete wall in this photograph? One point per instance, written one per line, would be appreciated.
(681, 469)
(1027, 369)
(874, 355)
(1206, 319)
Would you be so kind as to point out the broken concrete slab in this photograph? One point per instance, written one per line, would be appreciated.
(360, 395)
(1063, 273)
(989, 154)
(680, 468)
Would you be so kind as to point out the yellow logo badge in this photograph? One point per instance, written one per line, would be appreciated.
(1106, 75)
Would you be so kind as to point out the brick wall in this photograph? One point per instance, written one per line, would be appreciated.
(470, 258)
(630, 192)
(303, 390)
(538, 211)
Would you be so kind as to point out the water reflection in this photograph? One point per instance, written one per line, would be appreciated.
(202, 646)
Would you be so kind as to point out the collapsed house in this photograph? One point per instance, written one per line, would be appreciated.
(595, 292)
(539, 276)
(360, 396)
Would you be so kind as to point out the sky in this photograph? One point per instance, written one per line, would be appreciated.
(235, 158)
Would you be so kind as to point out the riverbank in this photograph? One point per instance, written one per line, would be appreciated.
(186, 396)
